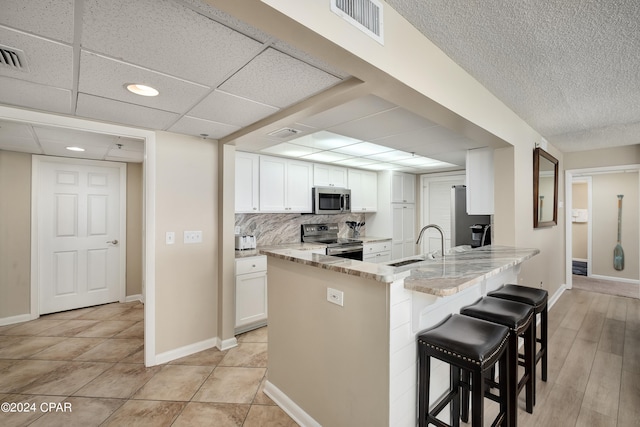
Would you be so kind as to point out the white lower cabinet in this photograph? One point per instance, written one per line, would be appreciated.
(251, 293)
(377, 252)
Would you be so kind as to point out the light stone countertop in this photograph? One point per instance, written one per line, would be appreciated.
(461, 268)
(247, 253)
(372, 239)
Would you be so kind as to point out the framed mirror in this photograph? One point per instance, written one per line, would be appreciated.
(545, 189)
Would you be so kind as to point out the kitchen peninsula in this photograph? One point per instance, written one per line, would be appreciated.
(342, 332)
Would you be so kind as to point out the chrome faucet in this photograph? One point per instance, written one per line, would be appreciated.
(437, 227)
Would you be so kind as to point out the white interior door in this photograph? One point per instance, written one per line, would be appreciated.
(80, 233)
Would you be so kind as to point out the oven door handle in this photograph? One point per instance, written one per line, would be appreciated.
(345, 250)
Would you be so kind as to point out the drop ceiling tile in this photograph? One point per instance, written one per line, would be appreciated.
(131, 144)
(16, 136)
(123, 155)
(53, 135)
(94, 153)
(428, 147)
(49, 63)
(228, 20)
(226, 108)
(165, 36)
(305, 57)
(36, 96)
(458, 158)
(386, 123)
(48, 18)
(197, 127)
(356, 109)
(120, 112)
(277, 79)
(107, 78)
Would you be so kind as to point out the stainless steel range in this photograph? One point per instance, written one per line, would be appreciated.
(328, 234)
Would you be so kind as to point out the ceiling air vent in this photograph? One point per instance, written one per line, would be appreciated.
(366, 15)
(284, 132)
(13, 58)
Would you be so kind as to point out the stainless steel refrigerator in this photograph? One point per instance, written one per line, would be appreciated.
(461, 222)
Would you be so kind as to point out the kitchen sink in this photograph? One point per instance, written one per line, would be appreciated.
(405, 262)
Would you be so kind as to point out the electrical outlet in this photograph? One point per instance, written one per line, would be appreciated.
(170, 238)
(193, 237)
(335, 296)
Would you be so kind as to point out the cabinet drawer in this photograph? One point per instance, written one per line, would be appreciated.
(372, 248)
(251, 265)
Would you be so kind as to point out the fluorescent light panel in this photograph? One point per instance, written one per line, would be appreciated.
(329, 147)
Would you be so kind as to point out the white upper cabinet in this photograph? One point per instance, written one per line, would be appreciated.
(247, 182)
(285, 185)
(329, 176)
(364, 190)
(480, 181)
(403, 187)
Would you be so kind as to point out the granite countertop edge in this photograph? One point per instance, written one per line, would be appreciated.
(468, 267)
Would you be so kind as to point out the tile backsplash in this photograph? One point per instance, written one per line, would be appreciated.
(278, 229)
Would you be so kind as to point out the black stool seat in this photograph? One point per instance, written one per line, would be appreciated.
(518, 317)
(464, 343)
(524, 294)
(538, 298)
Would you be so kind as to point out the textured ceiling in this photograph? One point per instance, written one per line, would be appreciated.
(571, 69)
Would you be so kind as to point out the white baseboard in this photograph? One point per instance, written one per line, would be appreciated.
(555, 297)
(17, 319)
(132, 298)
(226, 344)
(187, 350)
(289, 406)
(614, 279)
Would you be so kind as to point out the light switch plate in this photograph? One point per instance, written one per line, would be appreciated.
(170, 238)
(193, 237)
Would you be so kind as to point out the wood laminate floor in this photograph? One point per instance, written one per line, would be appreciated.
(594, 364)
(91, 359)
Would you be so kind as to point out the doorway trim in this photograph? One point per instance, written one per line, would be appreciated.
(149, 197)
(584, 179)
(36, 164)
(568, 194)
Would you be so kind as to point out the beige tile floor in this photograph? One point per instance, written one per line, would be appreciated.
(92, 360)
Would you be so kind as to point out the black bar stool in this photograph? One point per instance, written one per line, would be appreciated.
(467, 344)
(518, 317)
(538, 298)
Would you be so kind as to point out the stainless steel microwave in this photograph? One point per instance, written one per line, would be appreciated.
(331, 200)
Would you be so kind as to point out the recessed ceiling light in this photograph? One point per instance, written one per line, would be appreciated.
(74, 148)
(143, 90)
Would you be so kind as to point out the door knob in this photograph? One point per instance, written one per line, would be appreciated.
(113, 242)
